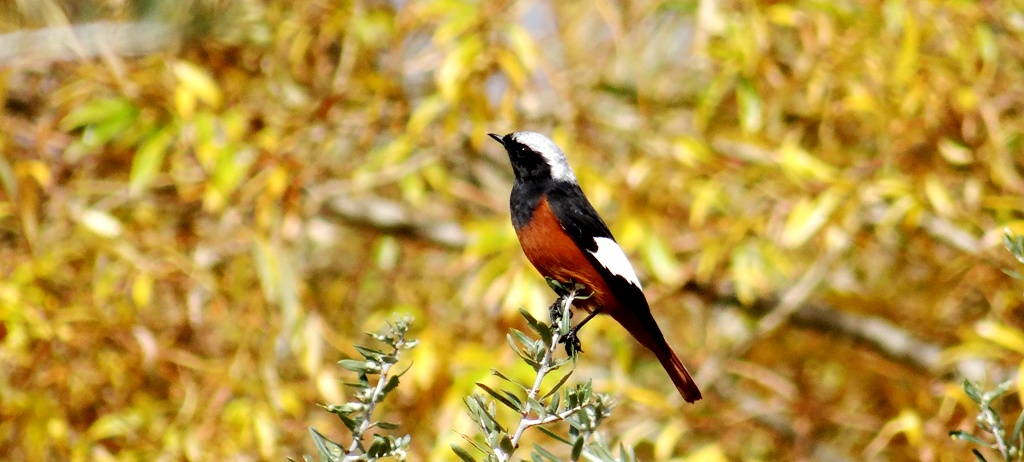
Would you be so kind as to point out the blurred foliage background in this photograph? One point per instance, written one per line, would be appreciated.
(204, 203)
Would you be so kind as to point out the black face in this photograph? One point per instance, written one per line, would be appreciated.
(526, 164)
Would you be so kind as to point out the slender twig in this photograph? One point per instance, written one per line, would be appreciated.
(546, 365)
(354, 451)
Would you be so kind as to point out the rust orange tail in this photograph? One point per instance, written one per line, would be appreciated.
(680, 377)
(645, 330)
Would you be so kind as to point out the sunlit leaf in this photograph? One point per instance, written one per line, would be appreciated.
(142, 290)
(939, 196)
(1002, 335)
(955, 153)
(663, 263)
(110, 111)
(148, 160)
(708, 453)
(808, 216)
(751, 107)
(101, 223)
(456, 65)
(800, 165)
(198, 82)
(425, 113)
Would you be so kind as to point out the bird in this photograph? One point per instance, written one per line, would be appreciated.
(565, 239)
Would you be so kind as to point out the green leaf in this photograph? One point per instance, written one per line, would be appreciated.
(544, 453)
(392, 383)
(751, 107)
(380, 447)
(999, 391)
(556, 286)
(329, 450)
(465, 456)
(577, 448)
(369, 353)
(148, 160)
(525, 357)
(506, 445)
(1017, 427)
(505, 378)
(540, 328)
(514, 405)
(356, 365)
(554, 435)
(552, 406)
(557, 385)
(565, 321)
(198, 82)
(962, 435)
(99, 112)
(387, 425)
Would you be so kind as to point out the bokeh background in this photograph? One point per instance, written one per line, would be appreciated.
(205, 203)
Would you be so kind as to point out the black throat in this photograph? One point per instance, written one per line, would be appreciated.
(526, 196)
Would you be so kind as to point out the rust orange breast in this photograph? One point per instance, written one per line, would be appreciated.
(555, 255)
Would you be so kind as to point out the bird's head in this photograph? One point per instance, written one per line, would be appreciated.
(535, 156)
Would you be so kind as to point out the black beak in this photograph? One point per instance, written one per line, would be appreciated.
(496, 138)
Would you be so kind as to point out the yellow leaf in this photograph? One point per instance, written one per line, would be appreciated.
(808, 217)
(908, 423)
(37, 170)
(906, 66)
(513, 68)
(667, 439)
(184, 102)
(712, 255)
(1020, 382)
(523, 45)
(1001, 334)
(705, 199)
(939, 196)
(456, 66)
(859, 99)
(955, 153)
(748, 273)
(690, 151)
(198, 82)
(109, 426)
(799, 164)
(424, 114)
(664, 265)
(784, 15)
(266, 432)
(142, 290)
(709, 453)
(1015, 227)
(101, 223)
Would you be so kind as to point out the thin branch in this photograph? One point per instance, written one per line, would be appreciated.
(354, 449)
(394, 218)
(85, 41)
(546, 366)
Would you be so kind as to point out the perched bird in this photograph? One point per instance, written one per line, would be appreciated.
(565, 239)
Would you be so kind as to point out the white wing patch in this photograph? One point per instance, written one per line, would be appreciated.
(614, 260)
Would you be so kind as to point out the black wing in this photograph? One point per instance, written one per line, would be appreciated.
(582, 223)
(577, 216)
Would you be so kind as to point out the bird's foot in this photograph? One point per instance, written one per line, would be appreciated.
(555, 311)
(572, 343)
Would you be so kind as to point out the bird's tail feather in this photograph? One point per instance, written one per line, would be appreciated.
(680, 376)
(645, 330)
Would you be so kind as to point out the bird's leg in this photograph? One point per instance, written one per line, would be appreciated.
(555, 311)
(571, 341)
